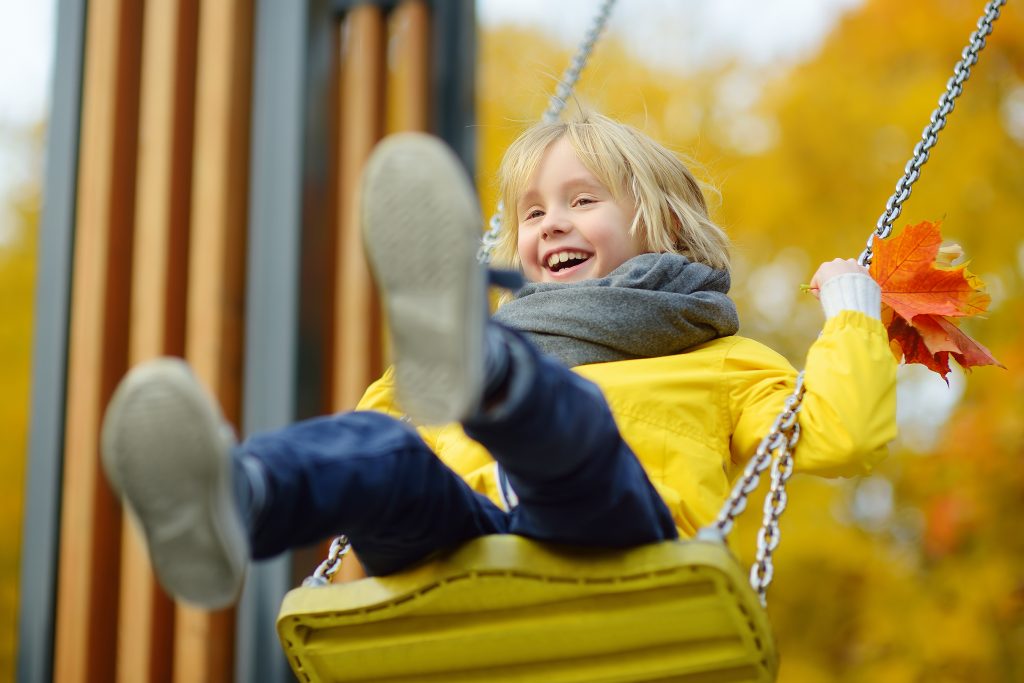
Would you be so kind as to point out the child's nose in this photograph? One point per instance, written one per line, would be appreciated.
(554, 224)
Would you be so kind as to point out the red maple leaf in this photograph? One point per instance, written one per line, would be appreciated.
(922, 296)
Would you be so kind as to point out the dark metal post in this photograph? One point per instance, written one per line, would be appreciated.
(41, 526)
(454, 76)
(289, 213)
(275, 228)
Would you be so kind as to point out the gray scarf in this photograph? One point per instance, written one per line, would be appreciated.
(651, 305)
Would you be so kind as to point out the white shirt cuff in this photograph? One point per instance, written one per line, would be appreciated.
(851, 292)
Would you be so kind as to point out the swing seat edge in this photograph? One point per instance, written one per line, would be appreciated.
(504, 608)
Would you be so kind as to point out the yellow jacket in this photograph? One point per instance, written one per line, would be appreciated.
(694, 419)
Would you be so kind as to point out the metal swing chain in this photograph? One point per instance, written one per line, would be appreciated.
(930, 134)
(781, 442)
(785, 432)
(556, 105)
(340, 545)
(330, 566)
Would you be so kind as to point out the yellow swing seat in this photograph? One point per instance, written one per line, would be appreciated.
(503, 609)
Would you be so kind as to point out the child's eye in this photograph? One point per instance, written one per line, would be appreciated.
(533, 213)
(582, 201)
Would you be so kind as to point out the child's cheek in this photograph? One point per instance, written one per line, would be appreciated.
(526, 258)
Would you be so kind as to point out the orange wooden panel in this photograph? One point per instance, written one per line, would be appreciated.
(204, 642)
(90, 516)
(357, 355)
(408, 96)
(360, 111)
(363, 82)
(146, 619)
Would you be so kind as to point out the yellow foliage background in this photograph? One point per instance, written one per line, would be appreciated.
(17, 283)
(917, 572)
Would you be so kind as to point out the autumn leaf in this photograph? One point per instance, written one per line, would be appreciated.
(912, 283)
(908, 345)
(969, 353)
(923, 294)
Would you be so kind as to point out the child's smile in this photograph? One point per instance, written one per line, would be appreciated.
(565, 260)
(571, 227)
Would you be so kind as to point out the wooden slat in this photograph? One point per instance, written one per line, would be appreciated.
(90, 516)
(204, 642)
(405, 106)
(357, 337)
(357, 356)
(408, 96)
(146, 620)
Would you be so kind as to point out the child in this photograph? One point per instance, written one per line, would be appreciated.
(638, 443)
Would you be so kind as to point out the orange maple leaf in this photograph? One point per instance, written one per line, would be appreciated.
(922, 295)
(931, 339)
(912, 283)
(968, 353)
(908, 345)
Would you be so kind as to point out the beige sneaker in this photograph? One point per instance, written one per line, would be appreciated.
(421, 227)
(166, 450)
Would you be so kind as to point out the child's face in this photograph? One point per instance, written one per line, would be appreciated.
(571, 227)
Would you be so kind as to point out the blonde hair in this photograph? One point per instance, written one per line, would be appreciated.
(671, 216)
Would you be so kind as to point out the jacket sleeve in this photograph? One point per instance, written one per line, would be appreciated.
(848, 414)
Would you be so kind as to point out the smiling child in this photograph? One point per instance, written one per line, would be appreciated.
(608, 403)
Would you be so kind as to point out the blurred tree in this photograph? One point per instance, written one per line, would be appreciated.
(17, 284)
(915, 573)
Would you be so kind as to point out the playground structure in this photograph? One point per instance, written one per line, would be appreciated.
(201, 176)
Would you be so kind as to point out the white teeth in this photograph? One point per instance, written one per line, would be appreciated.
(564, 256)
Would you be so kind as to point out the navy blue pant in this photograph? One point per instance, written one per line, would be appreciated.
(372, 477)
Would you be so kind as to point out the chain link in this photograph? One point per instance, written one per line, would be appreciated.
(330, 566)
(556, 105)
(780, 442)
(762, 571)
(782, 436)
(930, 134)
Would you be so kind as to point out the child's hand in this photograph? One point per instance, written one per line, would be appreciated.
(830, 269)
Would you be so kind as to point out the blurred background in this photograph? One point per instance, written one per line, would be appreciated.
(27, 32)
(800, 117)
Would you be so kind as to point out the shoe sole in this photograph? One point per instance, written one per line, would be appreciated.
(166, 451)
(421, 228)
